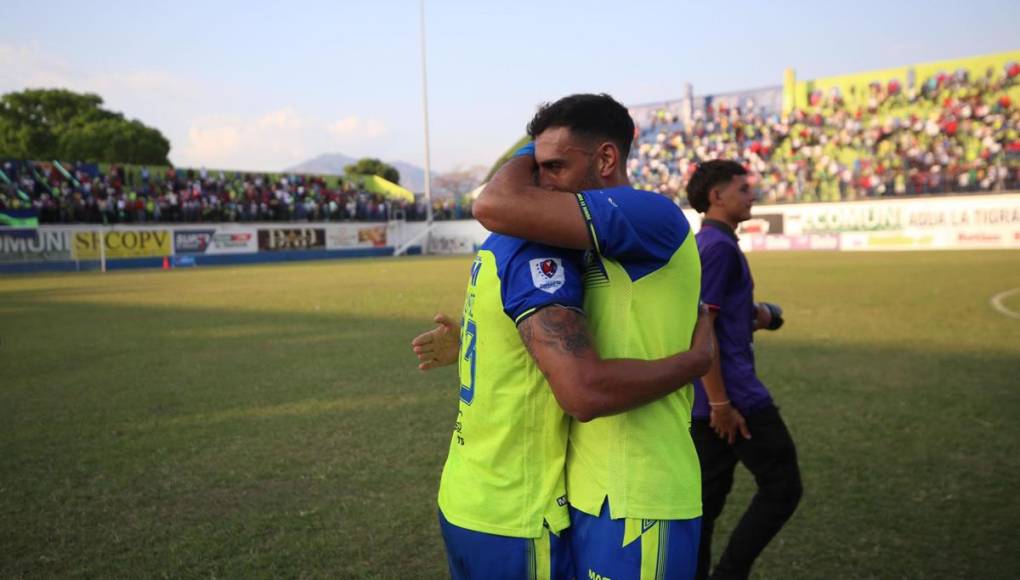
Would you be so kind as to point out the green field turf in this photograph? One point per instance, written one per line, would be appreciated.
(269, 421)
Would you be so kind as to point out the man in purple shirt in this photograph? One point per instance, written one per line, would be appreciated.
(734, 418)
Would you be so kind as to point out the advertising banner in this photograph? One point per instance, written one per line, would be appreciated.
(34, 245)
(353, 236)
(213, 241)
(272, 240)
(440, 244)
(122, 244)
(986, 239)
(372, 235)
(761, 242)
(893, 241)
(762, 223)
(936, 239)
(977, 213)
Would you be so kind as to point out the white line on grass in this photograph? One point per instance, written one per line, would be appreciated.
(996, 303)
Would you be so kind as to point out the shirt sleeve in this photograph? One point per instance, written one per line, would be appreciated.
(718, 264)
(536, 276)
(630, 224)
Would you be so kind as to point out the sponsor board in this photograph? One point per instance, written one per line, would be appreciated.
(341, 237)
(34, 245)
(845, 218)
(900, 241)
(215, 241)
(372, 235)
(896, 241)
(942, 239)
(989, 238)
(451, 244)
(122, 244)
(829, 242)
(763, 223)
(272, 240)
(979, 216)
(979, 239)
(981, 213)
(349, 236)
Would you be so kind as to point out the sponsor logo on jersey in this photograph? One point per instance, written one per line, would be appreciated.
(547, 274)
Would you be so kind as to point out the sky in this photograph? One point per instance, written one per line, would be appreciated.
(257, 85)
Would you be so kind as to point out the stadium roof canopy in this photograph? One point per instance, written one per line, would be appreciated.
(383, 187)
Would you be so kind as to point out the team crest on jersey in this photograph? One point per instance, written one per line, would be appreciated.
(547, 274)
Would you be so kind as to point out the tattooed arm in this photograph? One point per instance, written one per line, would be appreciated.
(586, 386)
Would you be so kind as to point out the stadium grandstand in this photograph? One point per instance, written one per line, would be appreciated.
(946, 127)
(930, 129)
(65, 193)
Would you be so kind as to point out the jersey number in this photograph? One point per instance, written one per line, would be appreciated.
(469, 358)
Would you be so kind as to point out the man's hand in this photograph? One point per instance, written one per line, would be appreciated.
(438, 347)
(587, 386)
(769, 316)
(703, 341)
(727, 421)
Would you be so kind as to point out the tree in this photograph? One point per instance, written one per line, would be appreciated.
(458, 182)
(371, 166)
(61, 124)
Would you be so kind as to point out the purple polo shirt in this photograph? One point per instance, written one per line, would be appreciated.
(726, 283)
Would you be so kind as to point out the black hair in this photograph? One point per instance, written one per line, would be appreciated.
(587, 115)
(707, 176)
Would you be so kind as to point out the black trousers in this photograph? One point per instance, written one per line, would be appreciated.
(771, 457)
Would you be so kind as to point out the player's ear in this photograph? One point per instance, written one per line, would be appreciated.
(607, 159)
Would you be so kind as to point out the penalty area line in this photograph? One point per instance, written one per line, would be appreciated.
(996, 302)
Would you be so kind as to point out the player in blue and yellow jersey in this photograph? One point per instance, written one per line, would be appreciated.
(526, 359)
(633, 479)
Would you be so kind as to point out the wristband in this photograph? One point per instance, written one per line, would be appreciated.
(776, 315)
(722, 404)
(528, 149)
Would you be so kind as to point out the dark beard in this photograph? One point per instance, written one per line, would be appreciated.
(591, 179)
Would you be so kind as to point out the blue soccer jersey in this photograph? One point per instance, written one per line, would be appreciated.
(633, 479)
(642, 283)
(505, 470)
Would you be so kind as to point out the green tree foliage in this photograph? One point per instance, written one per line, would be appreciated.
(61, 124)
(370, 166)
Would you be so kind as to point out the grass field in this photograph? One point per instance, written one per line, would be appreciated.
(269, 421)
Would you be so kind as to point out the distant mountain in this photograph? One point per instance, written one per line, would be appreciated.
(411, 176)
(328, 164)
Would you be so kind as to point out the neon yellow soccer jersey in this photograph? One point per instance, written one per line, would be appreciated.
(505, 470)
(641, 286)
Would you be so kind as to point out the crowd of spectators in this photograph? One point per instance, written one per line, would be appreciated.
(950, 133)
(83, 193)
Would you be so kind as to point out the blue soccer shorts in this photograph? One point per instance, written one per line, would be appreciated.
(633, 549)
(480, 556)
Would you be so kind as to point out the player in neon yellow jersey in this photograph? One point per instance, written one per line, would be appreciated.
(526, 356)
(633, 479)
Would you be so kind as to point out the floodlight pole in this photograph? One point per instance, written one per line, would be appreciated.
(425, 109)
